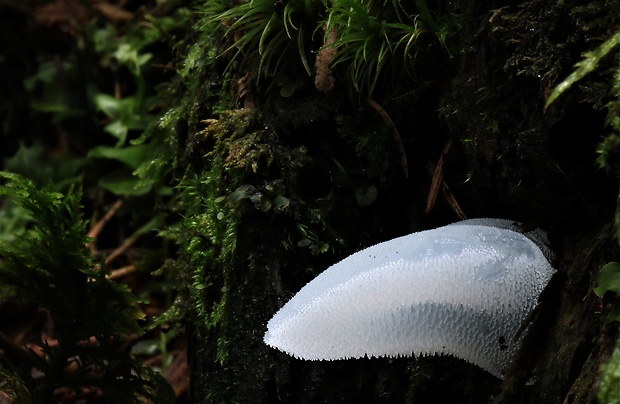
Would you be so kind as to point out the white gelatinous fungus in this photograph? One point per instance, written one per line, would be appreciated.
(462, 289)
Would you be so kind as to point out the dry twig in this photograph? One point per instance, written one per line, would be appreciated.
(397, 138)
(437, 178)
(447, 194)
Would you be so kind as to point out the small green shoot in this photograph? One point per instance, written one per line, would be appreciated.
(586, 65)
(368, 43)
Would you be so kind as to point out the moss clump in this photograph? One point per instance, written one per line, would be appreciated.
(609, 384)
(242, 221)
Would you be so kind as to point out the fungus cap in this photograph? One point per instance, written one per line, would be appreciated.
(461, 290)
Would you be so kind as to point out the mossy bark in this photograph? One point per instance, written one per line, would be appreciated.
(307, 180)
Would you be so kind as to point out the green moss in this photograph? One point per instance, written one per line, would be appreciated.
(50, 266)
(240, 183)
(609, 382)
(371, 43)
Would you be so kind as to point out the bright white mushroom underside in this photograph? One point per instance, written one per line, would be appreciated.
(463, 290)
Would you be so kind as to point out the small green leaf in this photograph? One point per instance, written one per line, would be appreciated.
(280, 203)
(123, 182)
(149, 347)
(61, 169)
(609, 279)
(152, 225)
(366, 196)
(126, 114)
(109, 105)
(128, 55)
(50, 92)
(304, 242)
(614, 315)
(133, 156)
